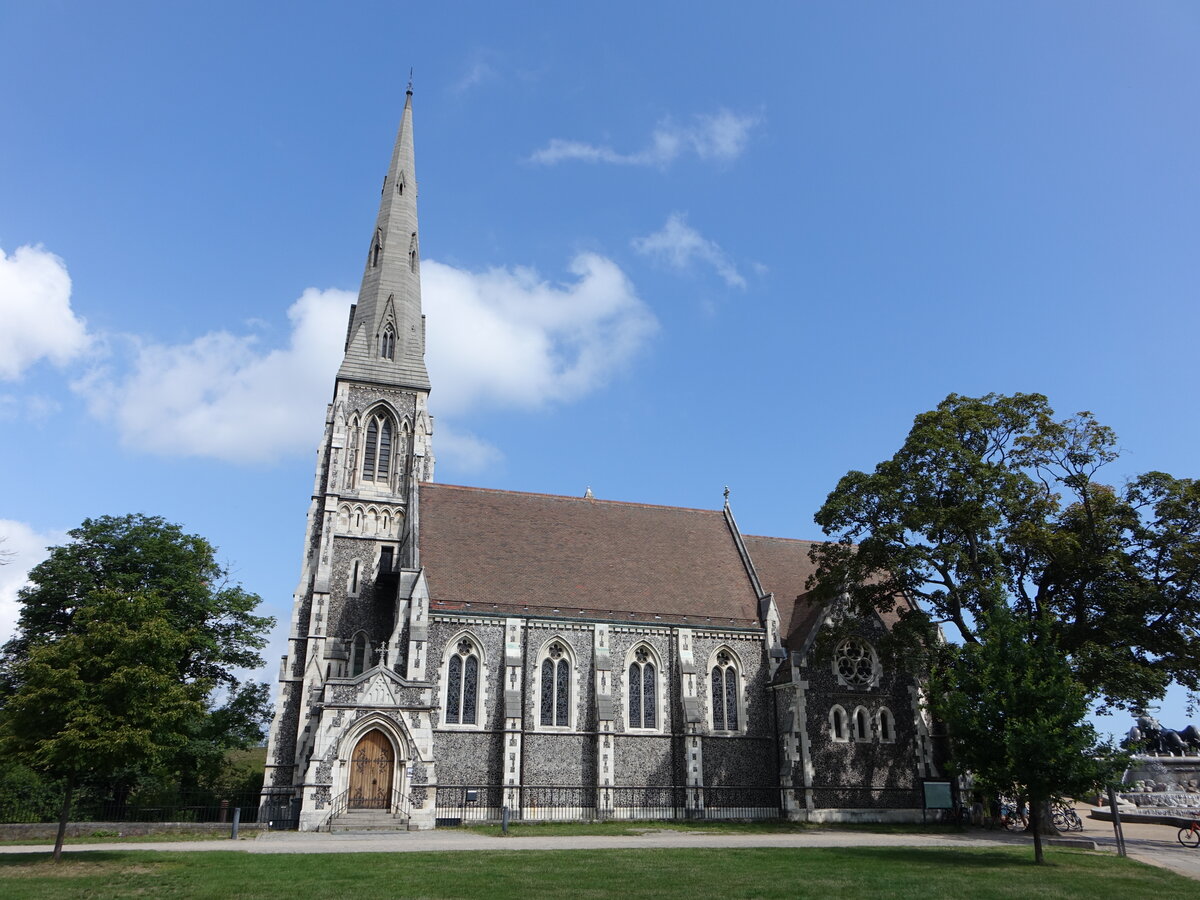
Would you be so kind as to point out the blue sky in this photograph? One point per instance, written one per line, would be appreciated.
(709, 245)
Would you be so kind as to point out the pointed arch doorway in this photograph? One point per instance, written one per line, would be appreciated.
(372, 769)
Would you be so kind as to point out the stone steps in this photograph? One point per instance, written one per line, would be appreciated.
(367, 820)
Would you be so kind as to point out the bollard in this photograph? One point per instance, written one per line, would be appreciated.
(504, 820)
(223, 815)
(237, 817)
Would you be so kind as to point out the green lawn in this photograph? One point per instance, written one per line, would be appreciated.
(919, 873)
(768, 826)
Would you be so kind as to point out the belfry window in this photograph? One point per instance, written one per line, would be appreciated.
(724, 693)
(462, 684)
(643, 690)
(387, 342)
(556, 687)
(377, 451)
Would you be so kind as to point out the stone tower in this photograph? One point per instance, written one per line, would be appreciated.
(350, 612)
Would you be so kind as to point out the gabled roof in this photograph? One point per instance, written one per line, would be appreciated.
(492, 551)
(783, 569)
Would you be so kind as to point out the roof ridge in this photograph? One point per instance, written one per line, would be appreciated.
(588, 500)
(773, 537)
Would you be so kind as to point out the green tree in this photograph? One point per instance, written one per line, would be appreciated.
(217, 633)
(102, 695)
(1015, 716)
(994, 502)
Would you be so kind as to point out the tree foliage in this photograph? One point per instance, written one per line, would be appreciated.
(172, 599)
(1015, 715)
(993, 502)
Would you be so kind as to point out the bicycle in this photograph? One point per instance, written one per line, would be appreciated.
(1190, 836)
(1065, 818)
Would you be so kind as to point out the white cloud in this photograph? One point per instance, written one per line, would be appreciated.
(502, 338)
(36, 319)
(679, 246)
(477, 73)
(721, 136)
(221, 395)
(508, 338)
(24, 548)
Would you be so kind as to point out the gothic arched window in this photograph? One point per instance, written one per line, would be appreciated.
(555, 701)
(377, 449)
(643, 689)
(462, 684)
(724, 692)
(839, 728)
(387, 342)
(862, 725)
(358, 654)
(887, 726)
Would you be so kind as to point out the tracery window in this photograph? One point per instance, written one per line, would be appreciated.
(358, 655)
(854, 663)
(387, 342)
(462, 684)
(377, 451)
(643, 690)
(724, 693)
(839, 726)
(556, 687)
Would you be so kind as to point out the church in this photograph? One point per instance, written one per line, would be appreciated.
(455, 652)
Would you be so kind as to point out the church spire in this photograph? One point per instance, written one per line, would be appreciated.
(386, 339)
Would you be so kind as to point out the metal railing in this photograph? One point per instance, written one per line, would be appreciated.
(183, 807)
(467, 804)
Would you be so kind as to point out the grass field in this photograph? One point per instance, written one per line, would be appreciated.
(692, 874)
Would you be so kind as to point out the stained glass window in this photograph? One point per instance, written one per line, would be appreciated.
(854, 662)
(377, 449)
(562, 694)
(547, 692)
(643, 690)
(724, 693)
(462, 684)
(358, 655)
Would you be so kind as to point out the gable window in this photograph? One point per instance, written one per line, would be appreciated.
(854, 663)
(462, 684)
(643, 690)
(724, 693)
(839, 727)
(387, 342)
(377, 451)
(887, 726)
(862, 725)
(556, 687)
(358, 655)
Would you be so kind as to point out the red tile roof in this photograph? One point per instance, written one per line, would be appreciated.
(504, 551)
(783, 568)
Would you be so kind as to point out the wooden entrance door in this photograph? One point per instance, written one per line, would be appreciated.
(371, 769)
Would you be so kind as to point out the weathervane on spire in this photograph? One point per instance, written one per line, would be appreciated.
(726, 495)
(410, 74)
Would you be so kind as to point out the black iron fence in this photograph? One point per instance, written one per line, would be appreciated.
(470, 804)
(204, 807)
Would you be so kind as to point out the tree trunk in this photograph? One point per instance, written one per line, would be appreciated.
(1035, 820)
(63, 818)
(1045, 819)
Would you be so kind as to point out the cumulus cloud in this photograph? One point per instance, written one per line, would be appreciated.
(223, 396)
(501, 338)
(36, 319)
(721, 136)
(477, 73)
(509, 338)
(680, 246)
(22, 547)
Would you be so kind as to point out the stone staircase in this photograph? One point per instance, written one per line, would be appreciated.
(367, 820)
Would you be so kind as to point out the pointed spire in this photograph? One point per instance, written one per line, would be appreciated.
(387, 332)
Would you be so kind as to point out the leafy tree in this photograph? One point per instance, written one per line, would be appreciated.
(153, 564)
(103, 694)
(1015, 716)
(993, 502)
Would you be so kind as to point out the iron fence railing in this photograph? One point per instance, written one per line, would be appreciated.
(468, 804)
(196, 807)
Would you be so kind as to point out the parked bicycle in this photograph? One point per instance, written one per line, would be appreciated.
(1065, 818)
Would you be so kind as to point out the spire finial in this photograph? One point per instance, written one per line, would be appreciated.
(726, 495)
(410, 74)
(588, 495)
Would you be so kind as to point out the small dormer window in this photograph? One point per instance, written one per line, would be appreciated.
(387, 342)
(376, 250)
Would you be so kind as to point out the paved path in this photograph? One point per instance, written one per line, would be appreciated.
(1154, 844)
